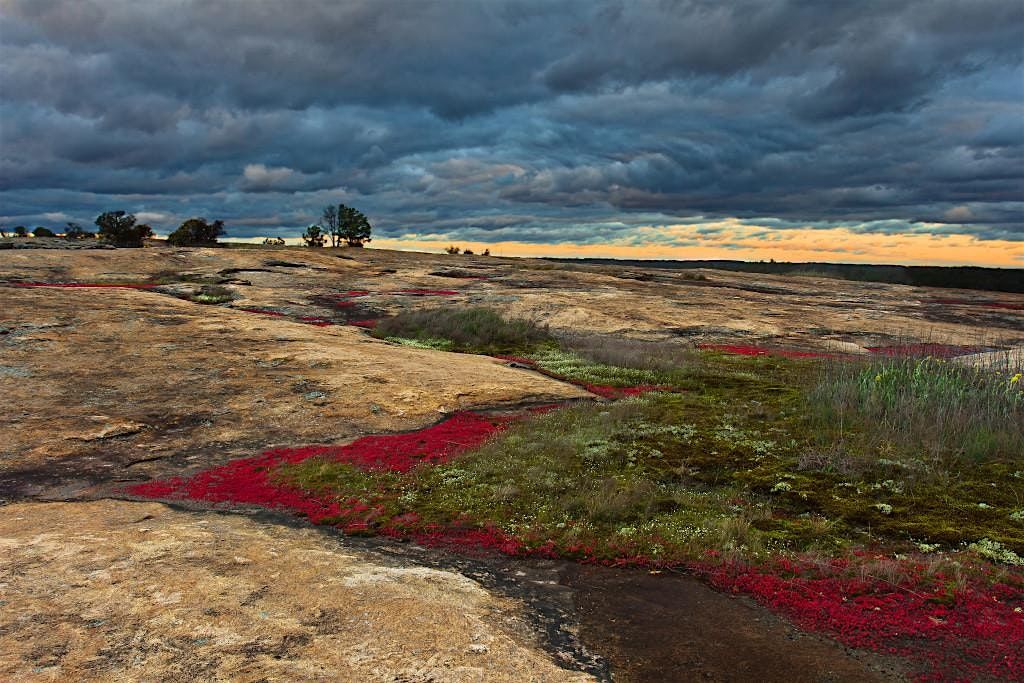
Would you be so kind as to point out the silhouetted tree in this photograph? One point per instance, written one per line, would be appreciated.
(453, 249)
(329, 218)
(120, 229)
(74, 231)
(313, 237)
(353, 226)
(43, 232)
(196, 232)
(273, 241)
(20, 231)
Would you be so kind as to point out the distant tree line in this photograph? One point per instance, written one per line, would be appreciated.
(116, 227)
(965, 277)
(74, 231)
(454, 250)
(341, 225)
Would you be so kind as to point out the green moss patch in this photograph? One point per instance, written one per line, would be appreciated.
(726, 467)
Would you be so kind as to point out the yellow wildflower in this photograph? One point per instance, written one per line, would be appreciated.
(1015, 378)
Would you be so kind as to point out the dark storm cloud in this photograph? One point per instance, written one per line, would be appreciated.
(538, 121)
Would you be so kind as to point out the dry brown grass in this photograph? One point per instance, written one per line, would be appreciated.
(620, 352)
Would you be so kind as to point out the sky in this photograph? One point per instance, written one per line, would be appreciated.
(882, 132)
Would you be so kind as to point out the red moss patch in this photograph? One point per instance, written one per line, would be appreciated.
(401, 452)
(749, 350)
(975, 631)
(349, 312)
(247, 480)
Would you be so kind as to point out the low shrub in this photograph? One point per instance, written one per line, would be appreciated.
(473, 330)
(122, 229)
(196, 232)
(576, 368)
(74, 231)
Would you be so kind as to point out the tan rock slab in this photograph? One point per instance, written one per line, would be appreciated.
(121, 591)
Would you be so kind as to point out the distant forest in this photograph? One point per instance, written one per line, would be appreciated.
(961, 277)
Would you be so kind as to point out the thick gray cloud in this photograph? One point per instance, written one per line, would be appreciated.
(526, 119)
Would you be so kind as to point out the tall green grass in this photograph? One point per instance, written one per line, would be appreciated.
(928, 410)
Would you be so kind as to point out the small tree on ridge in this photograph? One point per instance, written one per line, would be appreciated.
(329, 219)
(353, 226)
(196, 232)
(120, 229)
(74, 231)
(313, 237)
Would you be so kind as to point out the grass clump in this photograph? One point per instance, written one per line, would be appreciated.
(577, 368)
(632, 353)
(929, 411)
(468, 330)
(212, 295)
(429, 344)
(316, 474)
(613, 361)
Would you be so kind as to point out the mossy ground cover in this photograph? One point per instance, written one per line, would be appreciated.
(743, 473)
(722, 467)
(828, 454)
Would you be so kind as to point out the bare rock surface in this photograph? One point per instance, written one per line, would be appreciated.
(113, 590)
(121, 384)
(699, 305)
